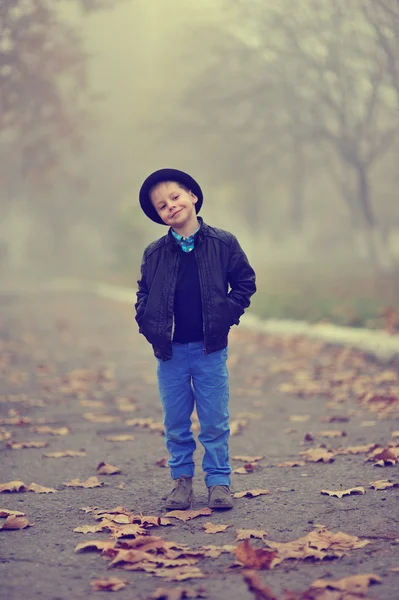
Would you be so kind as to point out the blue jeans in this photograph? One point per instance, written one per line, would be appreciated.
(193, 376)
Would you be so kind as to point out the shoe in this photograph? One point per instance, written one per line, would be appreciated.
(182, 494)
(220, 497)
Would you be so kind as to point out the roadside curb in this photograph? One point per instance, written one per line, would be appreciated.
(381, 344)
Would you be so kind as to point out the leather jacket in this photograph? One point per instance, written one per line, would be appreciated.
(227, 282)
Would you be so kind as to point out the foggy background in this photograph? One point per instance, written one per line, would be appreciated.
(287, 115)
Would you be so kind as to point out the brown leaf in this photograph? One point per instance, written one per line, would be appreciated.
(162, 462)
(112, 584)
(254, 558)
(13, 522)
(364, 449)
(256, 587)
(39, 489)
(177, 593)
(354, 584)
(215, 551)
(89, 528)
(20, 445)
(318, 455)
(187, 515)
(251, 493)
(101, 418)
(50, 430)
(12, 486)
(66, 454)
(128, 530)
(119, 438)
(247, 468)
(246, 534)
(4, 512)
(248, 459)
(293, 463)
(382, 484)
(352, 491)
(100, 545)
(105, 469)
(332, 434)
(179, 573)
(211, 528)
(91, 482)
(335, 419)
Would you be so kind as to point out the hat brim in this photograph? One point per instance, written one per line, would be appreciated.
(167, 175)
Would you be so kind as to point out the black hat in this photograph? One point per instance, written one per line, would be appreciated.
(167, 175)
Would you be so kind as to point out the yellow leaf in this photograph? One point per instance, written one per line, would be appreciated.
(20, 445)
(91, 482)
(187, 515)
(66, 454)
(39, 489)
(112, 584)
(12, 486)
(382, 484)
(211, 528)
(246, 534)
(353, 491)
(105, 469)
(251, 493)
(14, 522)
(248, 459)
(119, 438)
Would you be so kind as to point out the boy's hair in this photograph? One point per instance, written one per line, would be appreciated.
(184, 187)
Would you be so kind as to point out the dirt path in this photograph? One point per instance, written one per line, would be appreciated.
(68, 360)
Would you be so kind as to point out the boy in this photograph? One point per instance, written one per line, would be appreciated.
(185, 310)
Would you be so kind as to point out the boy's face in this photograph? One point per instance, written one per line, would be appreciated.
(174, 204)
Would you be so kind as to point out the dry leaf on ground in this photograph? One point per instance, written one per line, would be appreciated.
(89, 528)
(162, 462)
(178, 593)
(119, 438)
(105, 469)
(39, 489)
(112, 584)
(20, 445)
(14, 522)
(334, 419)
(65, 454)
(352, 491)
(211, 528)
(237, 426)
(318, 455)
(248, 459)
(364, 449)
(51, 430)
(95, 545)
(246, 534)
(12, 486)
(251, 493)
(101, 418)
(382, 484)
(187, 515)
(354, 584)
(293, 463)
(247, 468)
(91, 482)
(332, 434)
(252, 558)
(256, 587)
(4, 512)
(299, 418)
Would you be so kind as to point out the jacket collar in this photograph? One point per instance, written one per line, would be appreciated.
(199, 236)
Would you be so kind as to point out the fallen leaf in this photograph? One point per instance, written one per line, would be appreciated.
(119, 438)
(364, 449)
(382, 484)
(100, 545)
(101, 418)
(105, 469)
(4, 512)
(50, 430)
(121, 485)
(211, 528)
(20, 445)
(14, 522)
(247, 468)
(12, 486)
(332, 434)
(177, 593)
(237, 426)
(246, 534)
(318, 455)
(215, 551)
(255, 586)
(334, 419)
(187, 515)
(395, 434)
(248, 459)
(354, 584)
(112, 584)
(66, 454)
(395, 569)
(251, 493)
(91, 482)
(4, 435)
(254, 558)
(353, 491)
(128, 530)
(162, 462)
(293, 463)
(368, 423)
(39, 489)
(299, 418)
(290, 430)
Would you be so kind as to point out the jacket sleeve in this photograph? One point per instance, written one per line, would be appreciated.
(241, 279)
(142, 292)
